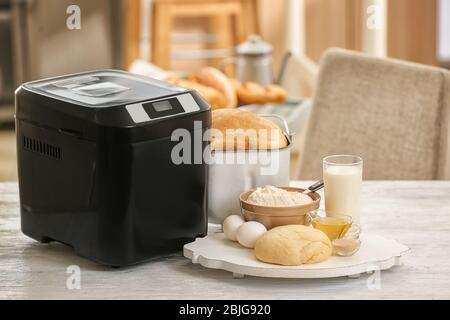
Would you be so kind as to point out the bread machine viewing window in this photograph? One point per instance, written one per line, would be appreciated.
(100, 89)
(103, 89)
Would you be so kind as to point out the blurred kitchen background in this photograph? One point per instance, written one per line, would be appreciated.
(185, 35)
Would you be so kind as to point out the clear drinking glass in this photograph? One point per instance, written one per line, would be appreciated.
(342, 175)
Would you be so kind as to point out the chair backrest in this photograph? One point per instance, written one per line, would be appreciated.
(393, 113)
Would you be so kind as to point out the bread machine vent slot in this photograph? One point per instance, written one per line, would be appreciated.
(41, 147)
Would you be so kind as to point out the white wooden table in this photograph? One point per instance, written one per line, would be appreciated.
(415, 213)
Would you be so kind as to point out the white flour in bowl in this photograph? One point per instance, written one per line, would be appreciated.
(270, 196)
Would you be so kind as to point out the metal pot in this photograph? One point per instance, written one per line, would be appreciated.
(234, 172)
(254, 62)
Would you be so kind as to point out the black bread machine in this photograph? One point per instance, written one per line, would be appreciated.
(100, 170)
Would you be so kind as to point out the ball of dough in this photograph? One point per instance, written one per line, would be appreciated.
(249, 233)
(293, 245)
(231, 226)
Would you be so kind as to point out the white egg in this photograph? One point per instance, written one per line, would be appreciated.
(249, 233)
(231, 226)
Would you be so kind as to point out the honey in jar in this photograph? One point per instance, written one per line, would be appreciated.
(333, 227)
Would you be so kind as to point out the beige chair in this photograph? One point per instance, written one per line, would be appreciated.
(392, 113)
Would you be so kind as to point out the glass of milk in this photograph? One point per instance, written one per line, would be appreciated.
(342, 175)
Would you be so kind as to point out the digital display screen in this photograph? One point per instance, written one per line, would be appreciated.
(165, 108)
(162, 106)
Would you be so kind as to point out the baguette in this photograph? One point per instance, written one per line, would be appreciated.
(254, 93)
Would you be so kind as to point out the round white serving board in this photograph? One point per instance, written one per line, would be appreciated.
(217, 252)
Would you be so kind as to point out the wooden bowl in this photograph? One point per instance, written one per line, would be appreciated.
(273, 217)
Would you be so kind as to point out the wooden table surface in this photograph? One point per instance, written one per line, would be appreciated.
(414, 213)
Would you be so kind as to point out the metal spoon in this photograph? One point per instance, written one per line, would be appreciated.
(315, 187)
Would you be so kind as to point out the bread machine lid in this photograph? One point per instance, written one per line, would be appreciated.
(101, 89)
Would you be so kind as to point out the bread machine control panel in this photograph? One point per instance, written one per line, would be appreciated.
(164, 108)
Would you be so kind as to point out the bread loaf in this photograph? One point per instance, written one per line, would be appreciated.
(214, 97)
(214, 78)
(293, 245)
(243, 130)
